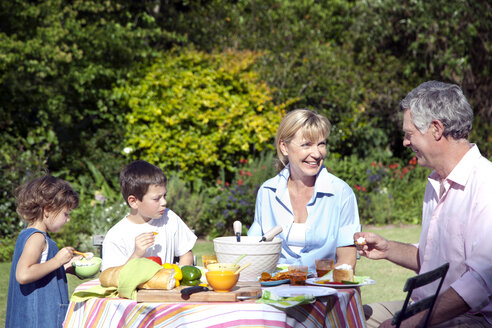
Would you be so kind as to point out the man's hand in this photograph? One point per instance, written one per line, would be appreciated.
(375, 247)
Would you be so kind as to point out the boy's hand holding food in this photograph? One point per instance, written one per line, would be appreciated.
(142, 242)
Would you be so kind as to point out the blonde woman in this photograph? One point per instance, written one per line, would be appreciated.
(316, 210)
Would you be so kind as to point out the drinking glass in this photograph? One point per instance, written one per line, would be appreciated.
(323, 266)
(298, 274)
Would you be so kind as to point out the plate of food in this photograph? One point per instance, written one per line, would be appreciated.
(274, 279)
(278, 277)
(358, 282)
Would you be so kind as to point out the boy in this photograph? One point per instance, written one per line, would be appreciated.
(150, 229)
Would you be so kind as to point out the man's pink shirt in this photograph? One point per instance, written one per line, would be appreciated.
(457, 228)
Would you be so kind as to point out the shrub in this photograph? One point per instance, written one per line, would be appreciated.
(196, 114)
(309, 55)
(441, 40)
(20, 160)
(388, 193)
(231, 200)
(189, 201)
(101, 206)
(59, 62)
(211, 209)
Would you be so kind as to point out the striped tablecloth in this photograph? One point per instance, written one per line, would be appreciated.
(343, 309)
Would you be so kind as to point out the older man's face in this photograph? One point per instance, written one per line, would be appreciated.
(423, 144)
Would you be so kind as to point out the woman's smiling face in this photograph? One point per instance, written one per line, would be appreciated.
(305, 156)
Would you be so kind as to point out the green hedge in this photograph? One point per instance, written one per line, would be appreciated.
(196, 114)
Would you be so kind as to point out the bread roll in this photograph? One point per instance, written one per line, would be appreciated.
(343, 272)
(163, 279)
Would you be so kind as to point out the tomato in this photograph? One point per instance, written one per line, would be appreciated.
(156, 259)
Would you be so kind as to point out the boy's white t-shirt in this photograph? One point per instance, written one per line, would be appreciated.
(174, 238)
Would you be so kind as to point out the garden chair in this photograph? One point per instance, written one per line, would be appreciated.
(97, 240)
(412, 283)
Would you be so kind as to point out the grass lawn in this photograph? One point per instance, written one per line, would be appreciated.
(389, 277)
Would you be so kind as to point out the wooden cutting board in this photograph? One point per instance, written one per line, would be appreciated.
(241, 290)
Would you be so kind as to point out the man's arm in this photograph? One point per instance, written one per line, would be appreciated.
(406, 255)
(377, 248)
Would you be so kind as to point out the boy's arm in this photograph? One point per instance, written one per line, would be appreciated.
(186, 259)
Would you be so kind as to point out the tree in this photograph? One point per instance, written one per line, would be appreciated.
(197, 114)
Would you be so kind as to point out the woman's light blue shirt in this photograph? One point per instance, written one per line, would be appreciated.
(332, 220)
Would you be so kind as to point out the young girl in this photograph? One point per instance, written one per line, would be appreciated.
(38, 291)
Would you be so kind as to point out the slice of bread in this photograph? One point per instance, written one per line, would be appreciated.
(343, 272)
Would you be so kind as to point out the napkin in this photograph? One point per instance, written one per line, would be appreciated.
(93, 292)
(269, 297)
(135, 272)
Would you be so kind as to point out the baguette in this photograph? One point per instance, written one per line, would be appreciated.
(163, 279)
(109, 277)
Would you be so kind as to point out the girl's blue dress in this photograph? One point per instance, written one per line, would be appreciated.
(42, 303)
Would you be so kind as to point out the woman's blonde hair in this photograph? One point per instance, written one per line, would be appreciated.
(313, 127)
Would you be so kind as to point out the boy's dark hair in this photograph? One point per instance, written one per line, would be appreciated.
(136, 177)
(46, 192)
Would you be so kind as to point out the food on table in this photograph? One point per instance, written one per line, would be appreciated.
(360, 241)
(265, 276)
(178, 274)
(156, 259)
(343, 272)
(191, 275)
(163, 279)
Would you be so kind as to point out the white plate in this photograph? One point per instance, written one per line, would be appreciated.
(312, 281)
(293, 291)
